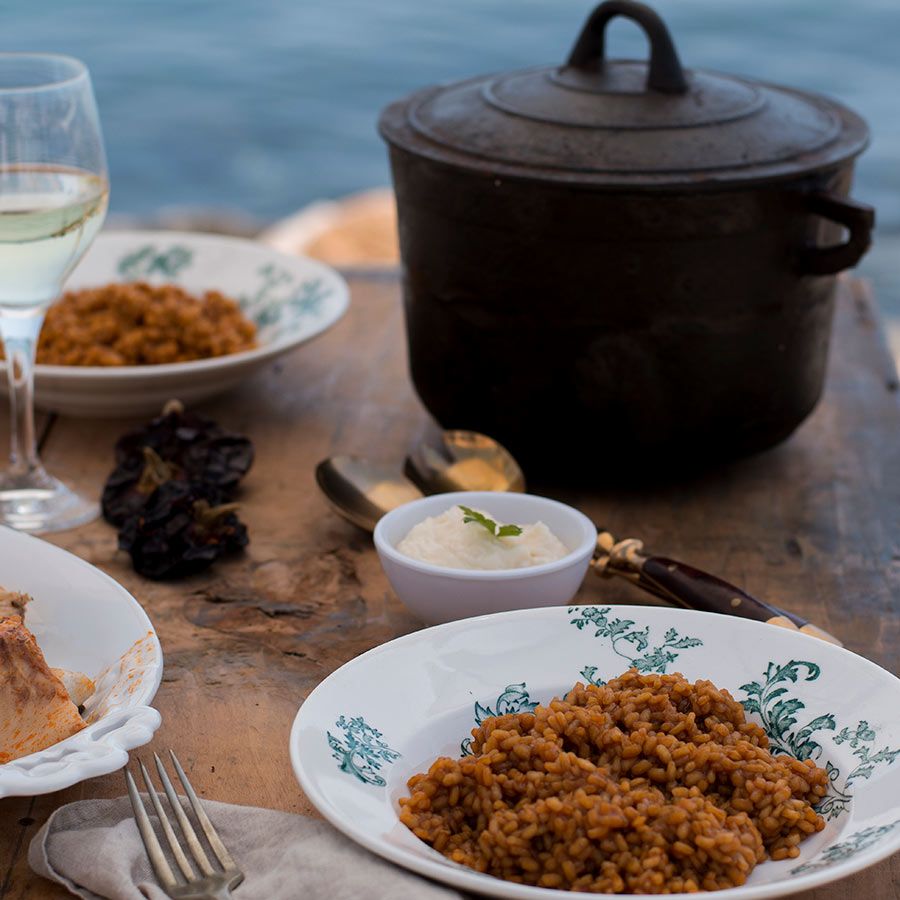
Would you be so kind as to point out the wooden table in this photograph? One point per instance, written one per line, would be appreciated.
(814, 525)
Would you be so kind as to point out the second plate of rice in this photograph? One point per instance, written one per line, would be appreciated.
(610, 750)
(165, 314)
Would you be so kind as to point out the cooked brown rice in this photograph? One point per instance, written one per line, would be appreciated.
(139, 324)
(648, 784)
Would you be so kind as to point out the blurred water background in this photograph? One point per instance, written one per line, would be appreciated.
(261, 106)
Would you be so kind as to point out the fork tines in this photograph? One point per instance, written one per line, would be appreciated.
(209, 880)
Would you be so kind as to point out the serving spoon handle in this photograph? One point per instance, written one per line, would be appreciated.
(686, 586)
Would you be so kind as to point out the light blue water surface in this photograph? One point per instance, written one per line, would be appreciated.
(265, 105)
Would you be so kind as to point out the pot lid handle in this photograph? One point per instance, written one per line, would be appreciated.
(664, 72)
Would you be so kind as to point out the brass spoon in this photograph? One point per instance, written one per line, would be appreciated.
(464, 461)
(363, 491)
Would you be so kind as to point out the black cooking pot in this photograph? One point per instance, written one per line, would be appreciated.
(611, 261)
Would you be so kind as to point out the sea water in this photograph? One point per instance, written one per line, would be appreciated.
(266, 105)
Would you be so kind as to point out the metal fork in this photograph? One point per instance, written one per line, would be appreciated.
(208, 883)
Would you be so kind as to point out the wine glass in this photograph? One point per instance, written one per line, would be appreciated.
(53, 196)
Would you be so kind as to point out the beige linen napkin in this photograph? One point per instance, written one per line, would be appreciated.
(93, 848)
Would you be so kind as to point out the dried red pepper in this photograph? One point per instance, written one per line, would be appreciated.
(170, 491)
(179, 532)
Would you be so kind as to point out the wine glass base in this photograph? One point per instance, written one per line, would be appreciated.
(39, 503)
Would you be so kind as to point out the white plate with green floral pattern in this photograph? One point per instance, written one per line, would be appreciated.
(389, 713)
(291, 300)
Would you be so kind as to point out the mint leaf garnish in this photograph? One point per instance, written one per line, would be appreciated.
(472, 515)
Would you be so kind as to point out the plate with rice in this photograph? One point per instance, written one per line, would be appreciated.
(152, 315)
(612, 750)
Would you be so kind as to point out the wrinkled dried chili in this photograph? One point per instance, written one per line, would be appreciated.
(170, 491)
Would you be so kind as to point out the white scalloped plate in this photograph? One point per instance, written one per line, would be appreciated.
(389, 713)
(86, 622)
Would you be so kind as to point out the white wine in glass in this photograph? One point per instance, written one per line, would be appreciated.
(48, 216)
(53, 196)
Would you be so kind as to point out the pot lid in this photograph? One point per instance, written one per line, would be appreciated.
(623, 121)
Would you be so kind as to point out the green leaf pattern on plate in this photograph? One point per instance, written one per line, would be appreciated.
(361, 751)
(589, 674)
(779, 714)
(280, 300)
(861, 740)
(149, 260)
(277, 300)
(620, 633)
(857, 842)
(514, 699)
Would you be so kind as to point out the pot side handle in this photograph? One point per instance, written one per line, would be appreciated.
(664, 74)
(857, 218)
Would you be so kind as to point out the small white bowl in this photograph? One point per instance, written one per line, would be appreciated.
(439, 594)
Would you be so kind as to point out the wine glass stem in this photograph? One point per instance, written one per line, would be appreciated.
(20, 333)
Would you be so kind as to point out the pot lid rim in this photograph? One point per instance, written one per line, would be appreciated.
(852, 137)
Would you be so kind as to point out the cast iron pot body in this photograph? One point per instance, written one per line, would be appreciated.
(586, 320)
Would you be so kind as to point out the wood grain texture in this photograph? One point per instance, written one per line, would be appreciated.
(813, 525)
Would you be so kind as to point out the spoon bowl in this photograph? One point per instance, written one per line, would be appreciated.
(363, 491)
(464, 461)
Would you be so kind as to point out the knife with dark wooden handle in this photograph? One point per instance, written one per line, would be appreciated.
(689, 587)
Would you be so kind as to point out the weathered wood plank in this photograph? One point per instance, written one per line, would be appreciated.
(814, 525)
